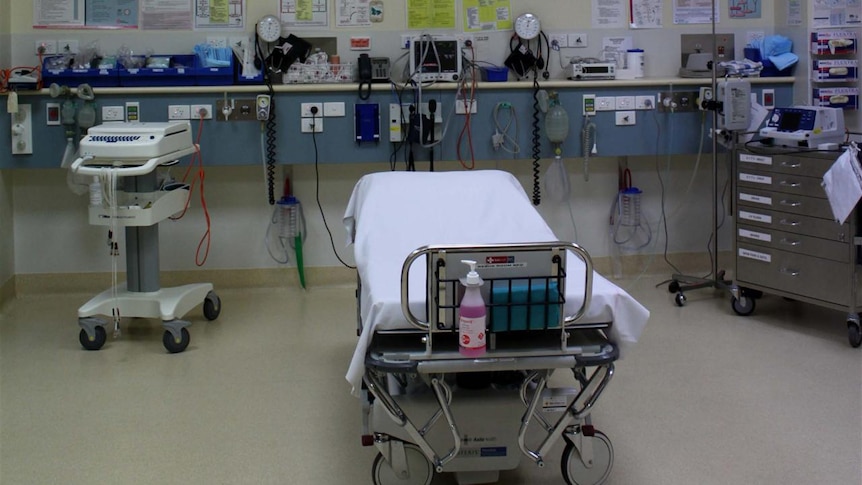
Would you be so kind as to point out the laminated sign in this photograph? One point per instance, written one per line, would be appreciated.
(843, 183)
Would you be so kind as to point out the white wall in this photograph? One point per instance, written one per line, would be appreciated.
(7, 247)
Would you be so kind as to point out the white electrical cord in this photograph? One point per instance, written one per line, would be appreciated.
(501, 133)
(108, 181)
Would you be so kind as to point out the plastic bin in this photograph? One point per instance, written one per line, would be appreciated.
(180, 73)
(95, 77)
(495, 74)
(213, 76)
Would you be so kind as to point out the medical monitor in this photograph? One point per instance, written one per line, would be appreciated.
(435, 58)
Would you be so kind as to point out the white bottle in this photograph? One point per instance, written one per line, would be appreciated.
(471, 315)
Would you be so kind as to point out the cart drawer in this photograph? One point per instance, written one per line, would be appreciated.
(795, 273)
(791, 203)
(795, 243)
(805, 225)
(789, 164)
(781, 182)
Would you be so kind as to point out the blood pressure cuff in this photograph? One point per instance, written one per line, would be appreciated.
(521, 60)
(287, 51)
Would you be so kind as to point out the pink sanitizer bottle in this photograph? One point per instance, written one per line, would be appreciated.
(471, 315)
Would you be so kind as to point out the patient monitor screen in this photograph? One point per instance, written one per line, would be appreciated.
(789, 121)
(436, 56)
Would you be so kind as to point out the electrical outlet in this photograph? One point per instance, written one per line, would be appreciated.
(558, 41)
(768, 98)
(461, 106)
(67, 46)
(312, 125)
(625, 118)
(197, 109)
(22, 130)
(46, 47)
(113, 113)
(605, 103)
(645, 102)
(578, 39)
(52, 114)
(238, 42)
(405, 41)
(625, 102)
(589, 104)
(395, 130)
(178, 112)
(332, 110)
(306, 110)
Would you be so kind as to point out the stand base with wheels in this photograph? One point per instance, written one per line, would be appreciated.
(681, 283)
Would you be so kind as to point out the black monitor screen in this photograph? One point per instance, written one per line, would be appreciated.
(439, 56)
(789, 121)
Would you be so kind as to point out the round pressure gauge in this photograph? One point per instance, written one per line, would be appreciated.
(527, 26)
(269, 28)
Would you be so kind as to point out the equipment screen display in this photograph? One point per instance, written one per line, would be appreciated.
(437, 56)
(789, 121)
(595, 69)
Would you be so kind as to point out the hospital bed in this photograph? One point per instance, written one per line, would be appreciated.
(426, 408)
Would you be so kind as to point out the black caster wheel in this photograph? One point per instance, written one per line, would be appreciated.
(743, 306)
(420, 471)
(854, 333)
(673, 287)
(576, 472)
(174, 345)
(212, 306)
(679, 299)
(96, 342)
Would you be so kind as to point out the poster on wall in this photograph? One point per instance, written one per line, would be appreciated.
(645, 14)
(117, 14)
(166, 14)
(608, 14)
(794, 12)
(430, 14)
(219, 14)
(486, 15)
(58, 13)
(304, 13)
(743, 9)
(352, 13)
(694, 12)
(836, 13)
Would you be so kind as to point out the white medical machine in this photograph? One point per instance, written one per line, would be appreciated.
(804, 126)
(429, 409)
(124, 158)
(435, 58)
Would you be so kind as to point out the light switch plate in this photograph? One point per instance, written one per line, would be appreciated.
(331, 110)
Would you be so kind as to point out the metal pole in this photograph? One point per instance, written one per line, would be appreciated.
(715, 193)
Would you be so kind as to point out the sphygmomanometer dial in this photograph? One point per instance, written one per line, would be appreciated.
(527, 26)
(269, 28)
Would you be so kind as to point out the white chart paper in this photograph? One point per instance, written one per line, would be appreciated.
(220, 14)
(646, 14)
(58, 12)
(304, 13)
(352, 13)
(836, 13)
(694, 11)
(166, 14)
(608, 14)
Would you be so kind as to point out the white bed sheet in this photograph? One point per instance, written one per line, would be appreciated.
(391, 214)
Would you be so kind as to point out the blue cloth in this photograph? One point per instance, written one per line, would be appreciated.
(783, 61)
(775, 45)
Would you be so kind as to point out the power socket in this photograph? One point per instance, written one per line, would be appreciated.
(113, 113)
(625, 118)
(22, 130)
(461, 106)
(312, 125)
(705, 94)
(178, 112)
(198, 109)
(605, 103)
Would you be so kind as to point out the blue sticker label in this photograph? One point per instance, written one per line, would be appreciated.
(493, 451)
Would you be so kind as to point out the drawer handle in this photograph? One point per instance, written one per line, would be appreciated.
(789, 271)
(791, 203)
(791, 242)
(785, 222)
(791, 165)
(794, 185)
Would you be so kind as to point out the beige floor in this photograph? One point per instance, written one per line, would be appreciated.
(259, 397)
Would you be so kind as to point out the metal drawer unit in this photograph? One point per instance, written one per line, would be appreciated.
(787, 242)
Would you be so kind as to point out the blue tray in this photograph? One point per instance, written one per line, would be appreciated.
(180, 73)
(97, 78)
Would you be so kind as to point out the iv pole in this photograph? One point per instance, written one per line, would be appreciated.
(682, 283)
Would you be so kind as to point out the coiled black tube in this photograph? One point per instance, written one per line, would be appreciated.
(271, 136)
(537, 143)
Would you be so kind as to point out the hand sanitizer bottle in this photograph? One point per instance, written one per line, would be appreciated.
(471, 315)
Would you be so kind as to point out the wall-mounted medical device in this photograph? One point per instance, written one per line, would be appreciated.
(804, 126)
(593, 70)
(699, 51)
(435, 58)
(734, 103)
(138, 141)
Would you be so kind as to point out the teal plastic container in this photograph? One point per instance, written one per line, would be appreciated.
(543, 308)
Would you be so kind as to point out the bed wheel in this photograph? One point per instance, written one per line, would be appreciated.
(173, 345)
(743, 306)
(673, 287)
(576, 472)
(679, 299)
(101, 336)
(854, 333)
(420, 470)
